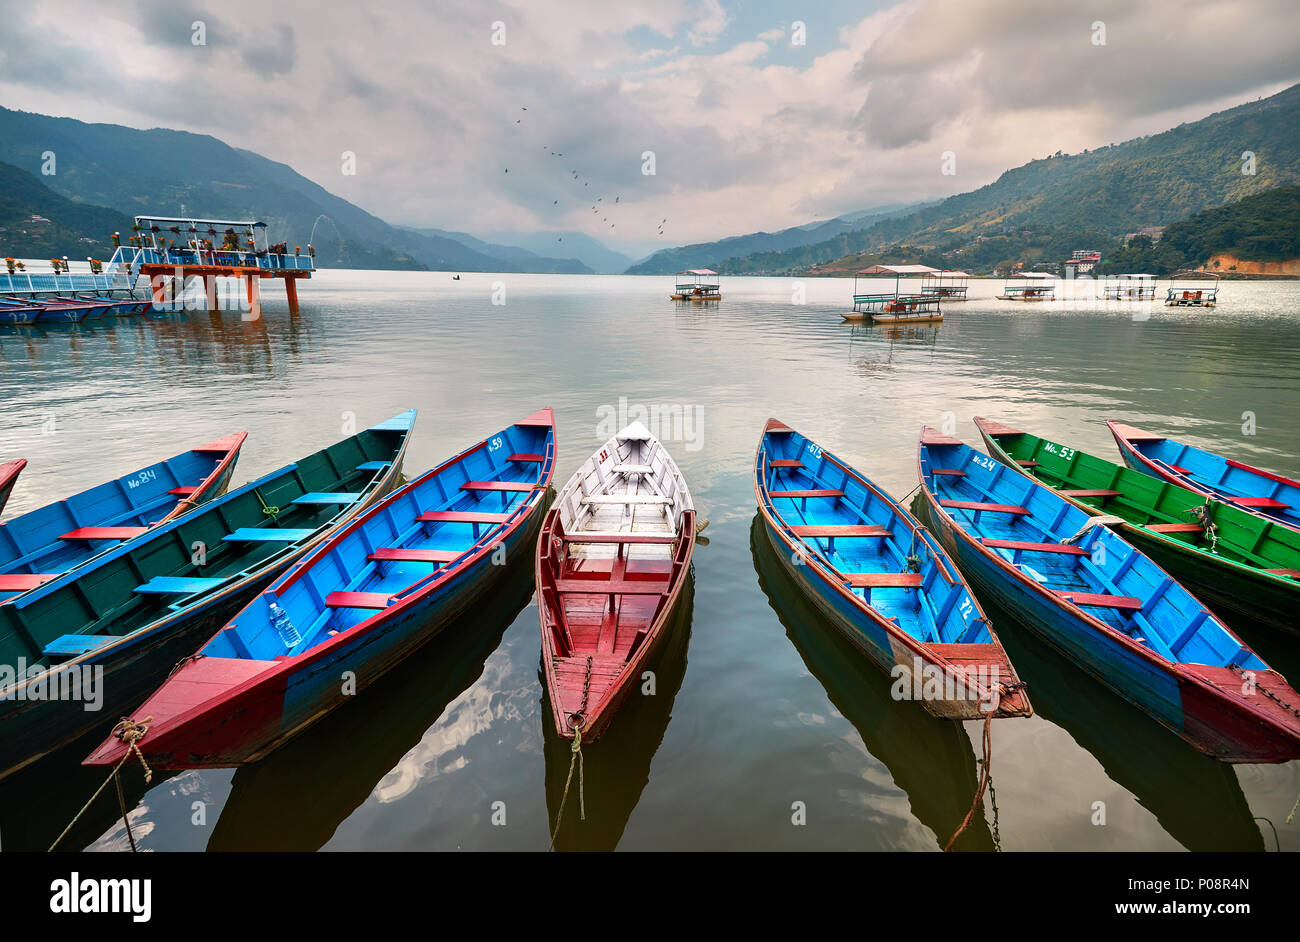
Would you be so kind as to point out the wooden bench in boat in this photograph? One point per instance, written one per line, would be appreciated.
(1036, 547)
(375, 600)
(825, 492)
(626, 499)
(22, 581)
(633, 469)
(1028, 462)
(327, 497)
(461, 516)
(373, 465)
(177, 585)
(981, 506)
(1088, 492)
(1263, 503)
(949, 472)
(267, 535)
(103, 533)
(840, 530)
(511, 486)
(1122, 602)
(1175, 527)
(610, 587)
(76, 645)
(593, 536)
(182, 491)
(533, 459)
(785, 463)
(1289, 573)
(1178, 468)
(883, 580)
(403, 554)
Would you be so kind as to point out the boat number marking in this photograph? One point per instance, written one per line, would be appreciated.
(814, 450)
(1061, 450)
(495, 443)
(604, 455)
(984, 462)
(144, 477)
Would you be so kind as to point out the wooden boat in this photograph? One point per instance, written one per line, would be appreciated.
(1243, 565)
(9, 472)
(112, 629)
(1260, 492)
(18, 314)
(698, 285)
(894, 307)
(614, 554)
(1193, 288)
(1106, 607)
(99, 307)
(118, 307)
(58, 312)
(363, 600)
(42, 544)
(886, 584)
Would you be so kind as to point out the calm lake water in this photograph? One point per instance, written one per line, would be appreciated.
(759, 705)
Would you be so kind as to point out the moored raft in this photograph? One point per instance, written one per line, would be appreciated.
(110, 630)
(1265, 493)
(1106, 607)
(612, 562)
(882, 580)
(366, 598)
(1243, 565)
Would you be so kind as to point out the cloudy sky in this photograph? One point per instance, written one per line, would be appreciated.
(749, 127)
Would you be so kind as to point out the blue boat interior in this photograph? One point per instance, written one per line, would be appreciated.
(425, 531)
(1044, 537)
(1234, 482)
(60, 536)
(874, 547)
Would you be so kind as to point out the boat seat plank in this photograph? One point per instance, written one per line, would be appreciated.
(22, 581)
(1123, 602)
(1067, 548)
(1136, 434)
(327, 497)
(373, 465)
(75, 645)
(1180, 469)
(626, 499)
(182, 491)
(1028, 462)
(825, 492)
(103, 533)
(950, 472)
(1290, 573)
(1264, 503)
(980, 505)
(534, 459)
(633, 469)
(840, 529)
(267, 535)
(609, 587)
(404, 554)
(884, 580)
(1175, 527)
(177, 585)
(374, 600)
(599, 537)
(1088, 492)
(785, 463)
(513, 486)
(461, 516)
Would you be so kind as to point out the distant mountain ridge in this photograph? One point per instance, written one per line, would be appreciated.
(36, 222)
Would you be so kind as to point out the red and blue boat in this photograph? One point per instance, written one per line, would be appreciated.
(354, 608)
(882, 580)
(18, 313)
(1105, 606)
(9, 472)
(42, 544)
(1261, 492)
(59, 312)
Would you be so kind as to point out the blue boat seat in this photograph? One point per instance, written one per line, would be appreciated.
(327, 497)
(266, 535)
(74, 645)
(177, 585)
(373, 465)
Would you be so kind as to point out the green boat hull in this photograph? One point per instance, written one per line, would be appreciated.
(1229, 572)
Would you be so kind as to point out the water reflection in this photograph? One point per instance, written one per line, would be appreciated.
(617, 768)
(930, 759)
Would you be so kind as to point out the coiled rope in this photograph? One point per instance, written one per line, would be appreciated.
(129, 732)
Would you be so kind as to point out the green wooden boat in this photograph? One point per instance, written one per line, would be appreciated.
(1242, 565)
(88, 646)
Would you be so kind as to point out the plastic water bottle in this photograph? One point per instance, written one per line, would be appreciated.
(280, 620)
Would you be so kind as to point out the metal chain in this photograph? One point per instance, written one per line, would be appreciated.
(1266, 692)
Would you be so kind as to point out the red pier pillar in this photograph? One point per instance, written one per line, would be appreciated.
(291, 292)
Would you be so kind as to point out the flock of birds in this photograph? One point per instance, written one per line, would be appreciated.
(596, 207)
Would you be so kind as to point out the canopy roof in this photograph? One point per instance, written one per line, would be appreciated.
(950, 274)
(697, 271)
(146, 221)
(1132, 276)
(1195, 273)
(1033, 274)
(899, 270)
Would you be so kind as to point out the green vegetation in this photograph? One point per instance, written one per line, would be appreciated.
(64, 227)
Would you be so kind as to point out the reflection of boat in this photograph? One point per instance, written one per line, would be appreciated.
(353, 748)
(617, 769)
(930, 759)
(1197, 800)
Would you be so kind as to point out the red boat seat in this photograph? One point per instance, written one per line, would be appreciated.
(1181, 470)
(1175, 527)
(103, 533)
(182, 491)
(1088, 492)
(22, 581)
(785, 463)
(1290, 573)
(1124, 602)
(402, 554)
(519, 486)
(883, 580)
(810, 493)
(375, 600)
(847, 529)
(461, 516)
(978, 505)
(609, 587)
(1067, 548)
(580, 537)
(950, 472)
(1028, 462)
(1264, 503)
(538, 459)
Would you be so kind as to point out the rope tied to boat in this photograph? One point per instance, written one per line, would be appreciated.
(1097, 521)
(1204, 516)
(129, 732)
(575, 721)
(986, 766)
(272, 512)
